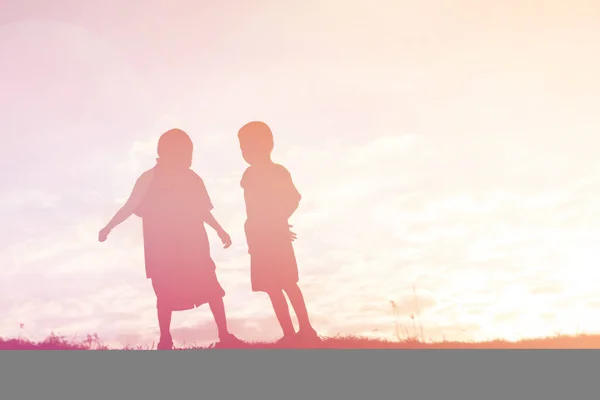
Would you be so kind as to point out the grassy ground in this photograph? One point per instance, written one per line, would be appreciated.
(92, 342)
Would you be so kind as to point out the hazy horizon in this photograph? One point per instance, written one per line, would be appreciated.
(445, 146)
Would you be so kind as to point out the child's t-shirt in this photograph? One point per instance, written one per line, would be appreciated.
(268, 193)
(173, 212)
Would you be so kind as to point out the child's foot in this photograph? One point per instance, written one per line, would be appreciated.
(229, 340)
(287, 339)
(308, 334)
(165, 344)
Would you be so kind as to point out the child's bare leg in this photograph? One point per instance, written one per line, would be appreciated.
(297, 299)
(217, 307)
(164, 323)
(282, 312)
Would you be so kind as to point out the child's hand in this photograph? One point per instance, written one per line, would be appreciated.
(225, 238)
(293, 236)
(103, 235)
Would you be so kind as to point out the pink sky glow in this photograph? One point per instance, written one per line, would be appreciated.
(446, 152)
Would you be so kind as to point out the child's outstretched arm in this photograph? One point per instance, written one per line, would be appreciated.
(212, 222)
(135, 198)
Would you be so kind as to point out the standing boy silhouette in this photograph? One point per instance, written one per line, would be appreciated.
(271, 199)
(174, 204)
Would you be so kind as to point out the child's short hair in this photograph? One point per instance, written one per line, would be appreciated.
(173, 142)
(257, 132)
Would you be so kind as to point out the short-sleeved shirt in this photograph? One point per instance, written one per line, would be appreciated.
(268, 193)
(173, 212)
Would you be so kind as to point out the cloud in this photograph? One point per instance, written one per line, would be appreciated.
(445, 162)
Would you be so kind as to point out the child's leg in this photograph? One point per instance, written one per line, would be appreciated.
(164, 312)
(297, 299)
(282, 312)
(218, 310)
(164, 323)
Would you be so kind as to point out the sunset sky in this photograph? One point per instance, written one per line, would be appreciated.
(446, 152)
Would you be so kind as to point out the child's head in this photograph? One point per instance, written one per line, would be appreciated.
(256, 142)
(175, 148)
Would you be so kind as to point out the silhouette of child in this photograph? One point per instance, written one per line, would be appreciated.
(174, 204)
(271, 198)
